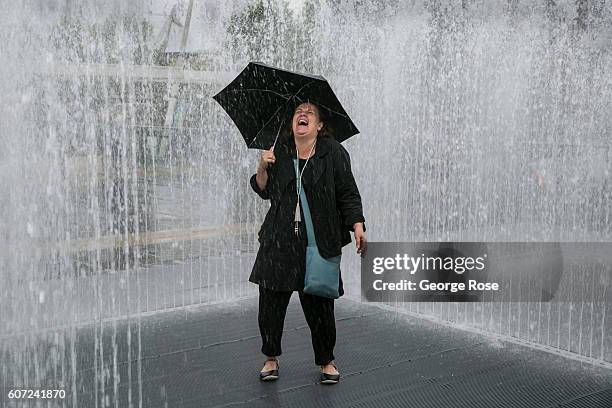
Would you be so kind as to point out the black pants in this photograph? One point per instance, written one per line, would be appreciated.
(319, 313)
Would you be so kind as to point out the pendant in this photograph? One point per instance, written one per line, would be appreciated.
(297, 217)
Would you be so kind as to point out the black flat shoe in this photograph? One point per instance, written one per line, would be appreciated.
(270, 375)
(330, 378)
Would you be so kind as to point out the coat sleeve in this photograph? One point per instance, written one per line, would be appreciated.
(265, 194)
(348, 198)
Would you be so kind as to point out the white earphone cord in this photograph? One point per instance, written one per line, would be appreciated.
(297, 218)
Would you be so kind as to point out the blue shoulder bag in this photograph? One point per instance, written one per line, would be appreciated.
(322, 276)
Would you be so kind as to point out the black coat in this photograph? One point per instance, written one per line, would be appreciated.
(335, 205)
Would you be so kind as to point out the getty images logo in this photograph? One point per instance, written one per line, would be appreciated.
(413, 264)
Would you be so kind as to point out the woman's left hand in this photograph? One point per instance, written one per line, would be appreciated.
(360, 238)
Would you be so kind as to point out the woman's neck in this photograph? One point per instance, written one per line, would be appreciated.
(304, 146)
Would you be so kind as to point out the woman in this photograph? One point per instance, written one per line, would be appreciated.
(335, 206)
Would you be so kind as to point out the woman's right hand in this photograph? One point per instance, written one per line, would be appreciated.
(267, 157)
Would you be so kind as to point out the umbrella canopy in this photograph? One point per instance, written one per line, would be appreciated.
(262, 98)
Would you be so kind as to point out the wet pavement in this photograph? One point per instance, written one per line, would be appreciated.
(208, 356)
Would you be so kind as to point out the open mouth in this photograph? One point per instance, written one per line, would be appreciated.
(302, 122)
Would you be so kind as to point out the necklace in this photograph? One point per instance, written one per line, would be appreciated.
(297, 218)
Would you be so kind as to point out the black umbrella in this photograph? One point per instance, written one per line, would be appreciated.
(262, 98)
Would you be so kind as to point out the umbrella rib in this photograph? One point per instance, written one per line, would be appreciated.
(320, 104)
(331, 110)
(336, 112)
(300, 90)
(259, 90)
(279, 108)
(264, 126)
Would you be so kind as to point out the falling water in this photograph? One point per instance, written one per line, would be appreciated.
(484, 121)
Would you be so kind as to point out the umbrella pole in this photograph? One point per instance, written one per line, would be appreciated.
(282, 123)
(277, 133)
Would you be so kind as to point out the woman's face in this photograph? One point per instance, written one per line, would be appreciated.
(306, 121)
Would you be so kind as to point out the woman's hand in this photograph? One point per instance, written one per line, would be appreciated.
(267, 157)
(261, 177)
(360, 238)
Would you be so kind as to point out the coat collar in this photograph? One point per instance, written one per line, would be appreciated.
(286, 170)
(321, 149)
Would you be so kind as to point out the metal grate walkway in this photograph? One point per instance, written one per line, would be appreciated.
(208, 356)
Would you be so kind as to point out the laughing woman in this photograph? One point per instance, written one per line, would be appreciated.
(330, 204)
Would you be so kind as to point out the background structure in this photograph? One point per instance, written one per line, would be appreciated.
(124, 187)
